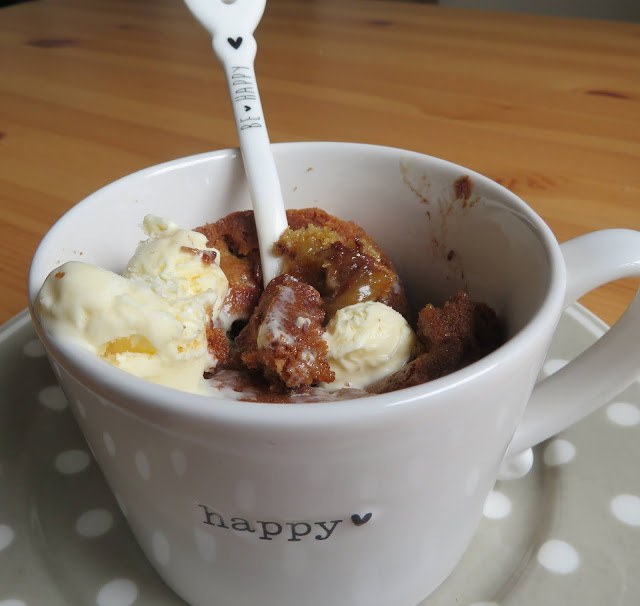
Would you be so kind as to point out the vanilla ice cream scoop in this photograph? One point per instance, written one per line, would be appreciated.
(367, 341)
(177, 265)
(152, 321)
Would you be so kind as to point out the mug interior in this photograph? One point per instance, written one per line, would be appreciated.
(445, 228)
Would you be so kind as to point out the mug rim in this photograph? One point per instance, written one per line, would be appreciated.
(142, 397)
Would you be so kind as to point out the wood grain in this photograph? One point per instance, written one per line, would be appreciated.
(91, 91)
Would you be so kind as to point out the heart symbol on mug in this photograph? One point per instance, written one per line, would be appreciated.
(235, 43)
(359, 521)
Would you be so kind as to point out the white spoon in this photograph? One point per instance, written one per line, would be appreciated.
(231, 23)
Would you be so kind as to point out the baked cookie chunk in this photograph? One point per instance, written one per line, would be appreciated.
(452, 337)
(283, 338)
(338, 258)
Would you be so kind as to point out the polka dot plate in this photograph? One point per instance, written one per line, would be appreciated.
(567, 533)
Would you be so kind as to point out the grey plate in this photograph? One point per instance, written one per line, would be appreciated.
(566, 534)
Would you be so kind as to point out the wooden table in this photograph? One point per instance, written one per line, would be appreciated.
(91, 90)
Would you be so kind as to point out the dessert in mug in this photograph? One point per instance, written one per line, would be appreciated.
(189, 312)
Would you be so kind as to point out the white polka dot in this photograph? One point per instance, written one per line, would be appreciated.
(626, 508)
(53, 397)
(623, 413)
(6, 536)
(109, 443)
(142, 465)
(206, 544)
(517, 466)
(161, 548)
(559, 452)
(94, 523)
(119, 592)
(179, 461)
(553, 365)
(558, 556)
(12, 602)
(81, 409)
(497, 505)
(246, 495)
(72, 461)
(33, 349)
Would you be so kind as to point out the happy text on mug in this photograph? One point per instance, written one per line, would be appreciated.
(268, 530)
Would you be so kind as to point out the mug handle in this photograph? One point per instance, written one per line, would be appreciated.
(581, 386)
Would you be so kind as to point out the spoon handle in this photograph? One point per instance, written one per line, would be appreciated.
(237, 56)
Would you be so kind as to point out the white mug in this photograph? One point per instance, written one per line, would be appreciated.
(369, 501)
